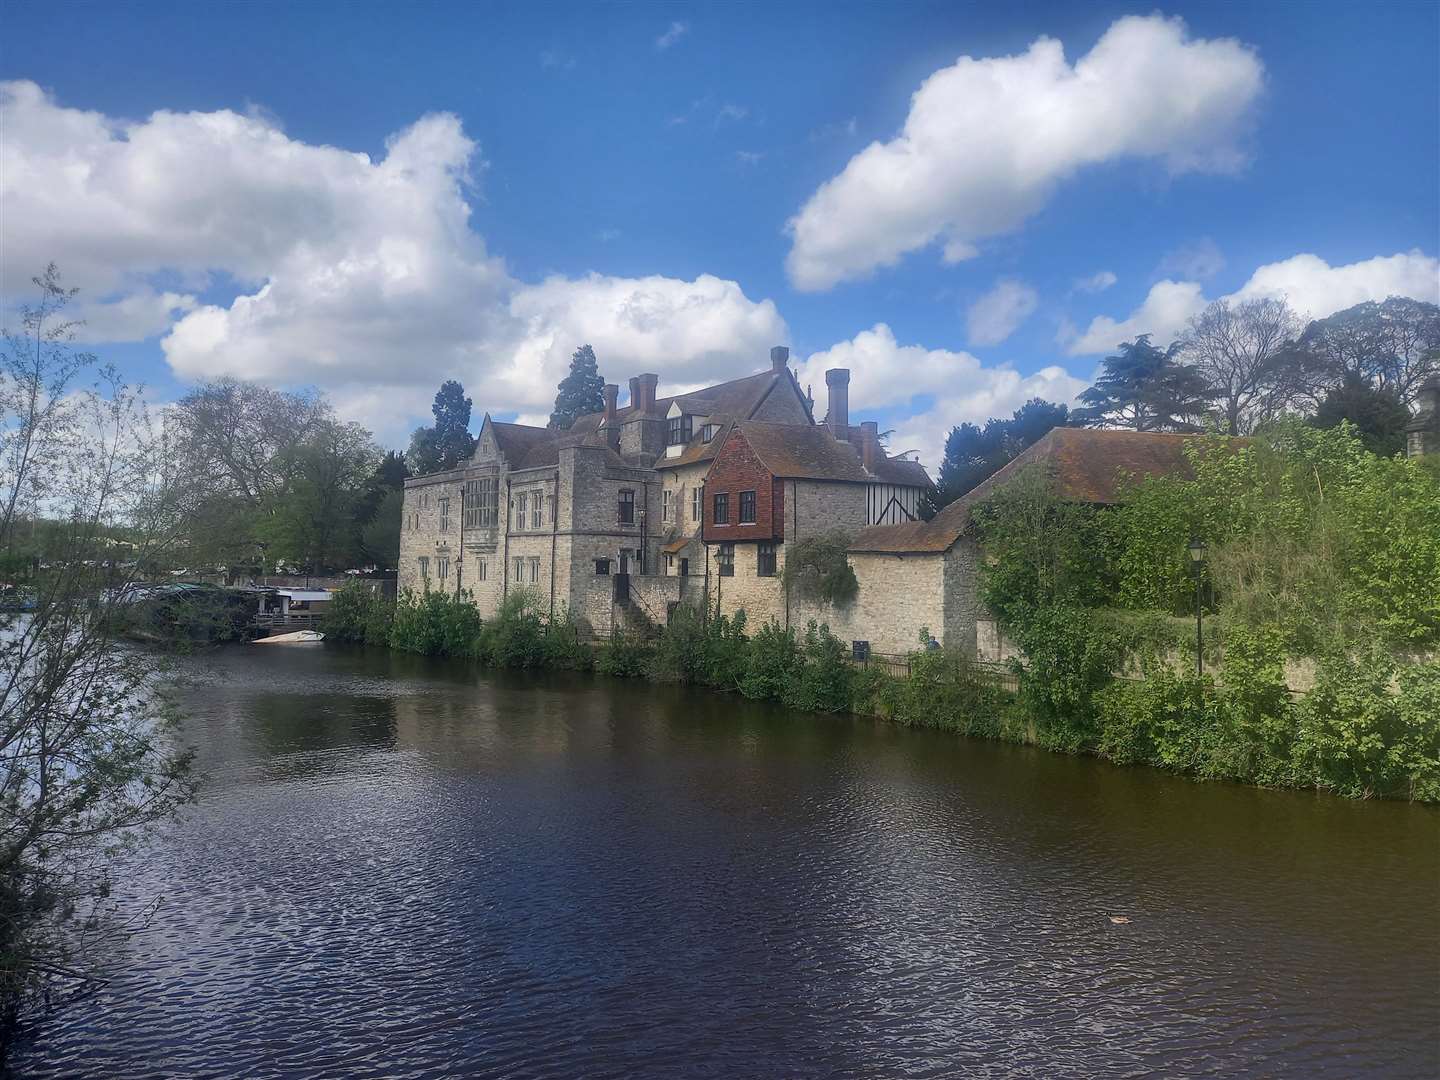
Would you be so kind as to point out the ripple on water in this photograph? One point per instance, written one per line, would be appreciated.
(399, 869)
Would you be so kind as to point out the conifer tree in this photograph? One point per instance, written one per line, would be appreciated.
(1144, 389)
(449, 441)
(580, 392)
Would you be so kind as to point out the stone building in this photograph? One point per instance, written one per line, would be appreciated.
(608, 516)
(1422, 434)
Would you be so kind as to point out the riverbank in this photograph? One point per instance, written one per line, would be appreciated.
(1355, 734)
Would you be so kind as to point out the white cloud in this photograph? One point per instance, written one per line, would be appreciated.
(1167, 307)
(887, 375)
(1193, 262)
(1097, 282)
(360, 276)
(987, 141)
(997, 314)
(1312, 286)
(676, 31)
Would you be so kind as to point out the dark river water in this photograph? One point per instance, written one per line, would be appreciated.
(407, 868)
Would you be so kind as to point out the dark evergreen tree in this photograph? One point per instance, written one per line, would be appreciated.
(580, 392)
(448, 442)
(974, 453)
(1377, 414)
(1143, 388)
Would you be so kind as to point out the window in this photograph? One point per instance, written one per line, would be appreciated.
(425, 501)
(480, 569)
(537, 511)
(627, 506)
(550, 508)
(708, 432)
(669, 563)
(442, 565)
(680, 430)
(665, 500)
(444, 520)
(697, 502)
(684, 567)
(521, 503)
(747, 508)
(722, 509)
(424, 562)
(519, 570)
(534, 571)
(726, 558)
(602, 567)
(765, 560)
(482, 499)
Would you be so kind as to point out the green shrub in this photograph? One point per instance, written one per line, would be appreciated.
(435, 624)
(774, 659)
(515, 637)
(563, 649)
(359, 614)
(821, 681)
(947, 690)
(681, 650)
(818, 568)
(727, 651)
(627, 655)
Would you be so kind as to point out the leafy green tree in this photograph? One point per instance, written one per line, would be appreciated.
(311, 521)
(1143, 388)
(447, 442)
(580, 392)
(380, 536)
(1377, 414)
(973, 454)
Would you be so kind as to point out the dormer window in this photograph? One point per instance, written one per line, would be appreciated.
(708, 431)
(680, 430)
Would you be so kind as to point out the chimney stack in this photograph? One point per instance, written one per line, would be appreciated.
(648, 384)
(635, 392)
(869, 444)
(838, 380)
(779, 357)
(612, 397)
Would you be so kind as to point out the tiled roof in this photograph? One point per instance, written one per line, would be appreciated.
(901, 471)
(803, 452)
(1088, 465)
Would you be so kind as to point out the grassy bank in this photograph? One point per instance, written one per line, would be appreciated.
(1368, 728)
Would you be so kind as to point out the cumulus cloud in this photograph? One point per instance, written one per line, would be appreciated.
(997, 314)
(885, 375)
(360, 276)
(1312, 286)
(1097, 282)
(676, 31)
(987, 141)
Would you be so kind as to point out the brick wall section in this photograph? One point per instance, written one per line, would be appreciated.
(737, 469)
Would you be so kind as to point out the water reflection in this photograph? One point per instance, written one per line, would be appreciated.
(407, 868)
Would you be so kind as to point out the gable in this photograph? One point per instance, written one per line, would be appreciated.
(782, 404)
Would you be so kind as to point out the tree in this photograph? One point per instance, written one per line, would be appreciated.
(580, 392)
(1240, 350)
(448, 442)
(88, 757)
(973, 454)
(312, 520)
(380, 536)
(1144, 389)
(1377, 414)
(1394, 345)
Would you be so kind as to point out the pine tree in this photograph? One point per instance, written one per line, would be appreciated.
(1144, 389)
(580, 392)
(448, 442)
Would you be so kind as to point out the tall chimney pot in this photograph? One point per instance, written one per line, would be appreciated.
(635, 392)
(838, 381)
(869, 444)
(648, 384)
(779, 357)
(612, 397)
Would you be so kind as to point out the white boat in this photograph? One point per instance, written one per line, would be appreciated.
(291, 638)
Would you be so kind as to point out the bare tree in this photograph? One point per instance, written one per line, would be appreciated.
(88, 751)
(1393, 346)
(1240, 350)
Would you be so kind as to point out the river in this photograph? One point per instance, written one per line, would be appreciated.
(402, 867)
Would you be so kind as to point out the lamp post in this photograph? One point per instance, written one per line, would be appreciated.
(1196, 548)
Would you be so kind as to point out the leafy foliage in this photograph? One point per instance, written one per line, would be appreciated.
(1142, 387)
(973, 454)
(447, 442)
(1377, 415)
(818, 568)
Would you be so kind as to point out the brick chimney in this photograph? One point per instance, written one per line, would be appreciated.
(635, 392)
(838, 381)
(779, 357)
(648, 383)
(612, 397)
(869, 444)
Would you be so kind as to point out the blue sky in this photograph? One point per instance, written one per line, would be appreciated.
(686, 184)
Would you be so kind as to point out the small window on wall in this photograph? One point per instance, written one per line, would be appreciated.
(522, 502)
(679, 430)
(747, 508)
(444, 516)
(708, 432)
(519, 570)
(442, 568)
(666, 498)
(722, 510)
(602, 567)
(534, 571)
(627, 506)
(697, 502)
(765, 560)
(726, 558)
(480, 569)
(537, 511)
(424, 562)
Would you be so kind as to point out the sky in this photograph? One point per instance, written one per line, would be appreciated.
(967, 205)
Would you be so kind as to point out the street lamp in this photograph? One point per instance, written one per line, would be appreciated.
(1196, 548)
